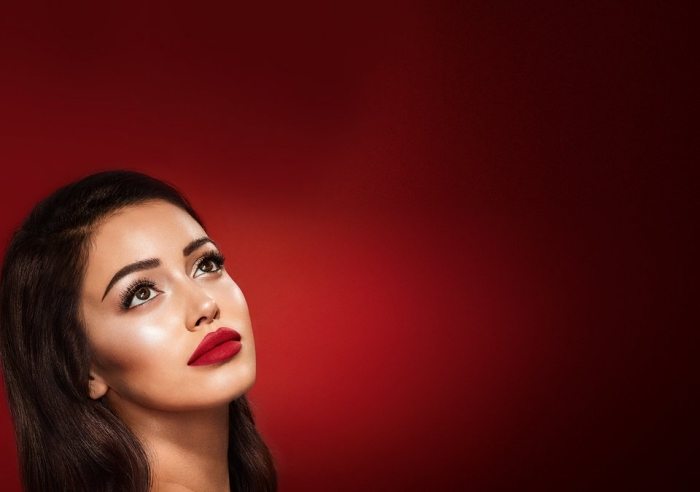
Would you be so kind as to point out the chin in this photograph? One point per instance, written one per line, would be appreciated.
(238, 382)
(247, 382)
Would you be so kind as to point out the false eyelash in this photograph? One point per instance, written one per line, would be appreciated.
(214, 256)
(127, 296)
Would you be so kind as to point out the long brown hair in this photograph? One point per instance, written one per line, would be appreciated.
(67, 441)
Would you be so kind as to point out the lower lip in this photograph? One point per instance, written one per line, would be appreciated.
(220, 353)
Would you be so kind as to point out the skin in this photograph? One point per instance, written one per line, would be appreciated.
(140, 353)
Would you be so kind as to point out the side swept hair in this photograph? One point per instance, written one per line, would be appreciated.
(67, 441)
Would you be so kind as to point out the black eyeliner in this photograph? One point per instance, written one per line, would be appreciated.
(127, 296)
(214, 256)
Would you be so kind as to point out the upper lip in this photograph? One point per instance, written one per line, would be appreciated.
(212, 340)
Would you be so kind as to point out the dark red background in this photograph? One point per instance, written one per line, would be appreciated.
(464, 232)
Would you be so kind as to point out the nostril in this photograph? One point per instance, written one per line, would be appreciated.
(203, 318)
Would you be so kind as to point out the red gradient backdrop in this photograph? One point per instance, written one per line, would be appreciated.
(464, 232)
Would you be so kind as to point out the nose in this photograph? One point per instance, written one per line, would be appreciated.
(203, 309)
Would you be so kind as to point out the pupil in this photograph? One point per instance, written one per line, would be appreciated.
(142, 294)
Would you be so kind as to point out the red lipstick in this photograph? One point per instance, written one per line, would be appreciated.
(217, 346)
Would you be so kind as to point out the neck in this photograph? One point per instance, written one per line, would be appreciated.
(188, 450)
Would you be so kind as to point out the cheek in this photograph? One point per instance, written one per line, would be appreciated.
(126, 349)
(231, 300)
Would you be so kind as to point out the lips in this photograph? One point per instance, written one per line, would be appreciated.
(217, 346)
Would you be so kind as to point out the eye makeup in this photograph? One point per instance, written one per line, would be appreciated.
(209, 262)
(127, 296)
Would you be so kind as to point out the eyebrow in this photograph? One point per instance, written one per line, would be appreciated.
(190, 248)
(137, 266)
(151, 263)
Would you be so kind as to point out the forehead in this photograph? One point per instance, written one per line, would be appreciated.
(148, 230)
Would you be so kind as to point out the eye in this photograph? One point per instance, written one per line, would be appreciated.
(138, 293)
(142, 295)
(209, 263)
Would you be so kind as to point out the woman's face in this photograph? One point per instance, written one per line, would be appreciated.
(154, 288)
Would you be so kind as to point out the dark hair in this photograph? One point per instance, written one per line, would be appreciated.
(66, 440)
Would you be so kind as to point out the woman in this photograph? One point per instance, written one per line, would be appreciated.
(126, 347)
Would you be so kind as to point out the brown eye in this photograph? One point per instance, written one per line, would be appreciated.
(143, 294)
(210, 263)
(142, 291)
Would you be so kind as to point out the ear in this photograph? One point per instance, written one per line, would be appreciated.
(97, 385)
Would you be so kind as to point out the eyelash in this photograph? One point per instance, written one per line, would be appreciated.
(213, 256)
(127, 297)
